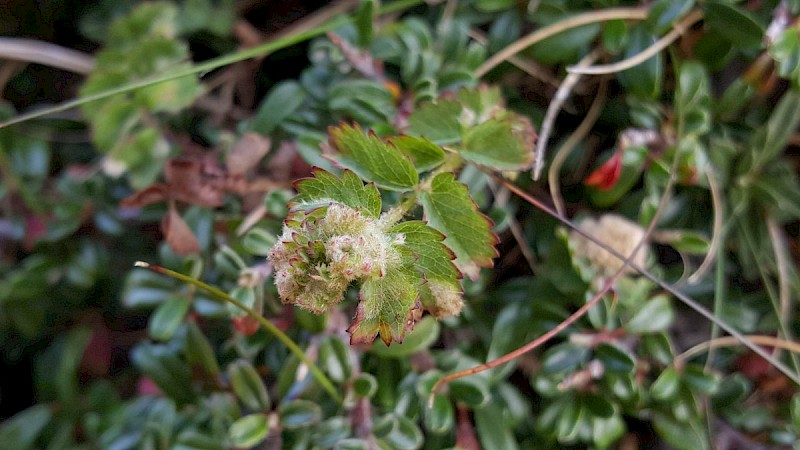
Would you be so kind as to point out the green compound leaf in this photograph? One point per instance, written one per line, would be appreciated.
(441, 294)
(504, 143)
(387, 307)
(425, 154)
(372, 159)
(449, 208)
(437, 121)
(347, 190)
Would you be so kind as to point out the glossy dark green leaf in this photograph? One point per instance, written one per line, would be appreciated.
(615, 35)
(398, 432)
(657, 347)
(282, 101)
(365, 385)
(683, 436)
(666, 385)
(693, 99)
(199, 352)
(643, 80)
(779, 127)
(655, 315)
(364, 101)
(425, 154)
(166, 369)
(472, 391)
(364, 18)
(438, 417)
(334, 358)
(607, 430)
(695, 377)
(493, 432)
(248, 385)
(664, 13)
(249, 430)
(614, 358)
(167, 318)
(735, 23)
(563, 358)
(258, 241)
(597, 405)
(21, 430)
(299, 414)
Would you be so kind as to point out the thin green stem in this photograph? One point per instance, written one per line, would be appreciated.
(207, 66)
(269, 326)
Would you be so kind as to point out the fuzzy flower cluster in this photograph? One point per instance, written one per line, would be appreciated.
(323, 250)
(618, 233)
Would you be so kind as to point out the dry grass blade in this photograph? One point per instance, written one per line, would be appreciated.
(45, 53)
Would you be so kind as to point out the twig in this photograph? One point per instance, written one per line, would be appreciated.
(583, 129)
(717, 232)
(269, 326)
(731, 341)
(558, 27)
(688, 301)
(627, 261)
(676, 32)
(562, 94)
(779, 247)
(46, 53)
(205, 67)
(526, 65)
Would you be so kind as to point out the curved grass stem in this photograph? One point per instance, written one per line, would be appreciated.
(207, 66)
(269, 326)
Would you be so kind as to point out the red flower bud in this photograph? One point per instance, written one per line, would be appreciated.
(607, 175)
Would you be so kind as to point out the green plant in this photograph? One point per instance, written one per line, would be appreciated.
(680, 186)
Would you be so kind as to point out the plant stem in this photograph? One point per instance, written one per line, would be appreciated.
(269, 326)
(208, 66)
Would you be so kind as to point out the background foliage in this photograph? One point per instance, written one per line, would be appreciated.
(194, 173)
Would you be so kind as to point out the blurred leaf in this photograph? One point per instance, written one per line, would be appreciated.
(683, 436)
(615, 36)
(779, 128)
(505, 143)
(364, 101)
(734, 23)
(299, 414)
(331, 431)
(472, 391)
(398, 432)
(437, 121)
(282, 101)
(334, 359)
(440, 416)
(425, 154)
(493, 431)
(693, 99)
(199, 351)
(614, 358)
(162, 365)
(607, 430)
(248, 385)
(365, 385)
(167, 317)
(691, 242)
(425, 333)
(666, 385)
(563, 357)
(248, 431)
(642, 80)
(655, 315)
(258, 241)
(22, 429)
(664, 13)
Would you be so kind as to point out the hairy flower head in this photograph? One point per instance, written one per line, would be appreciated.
(618, 233)
(323, 250)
